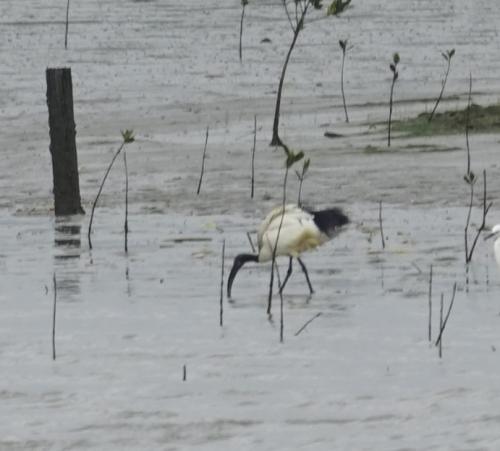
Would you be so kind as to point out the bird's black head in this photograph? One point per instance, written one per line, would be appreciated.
(239, 261)
(330, 221)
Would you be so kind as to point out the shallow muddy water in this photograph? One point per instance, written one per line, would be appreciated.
(362, 375)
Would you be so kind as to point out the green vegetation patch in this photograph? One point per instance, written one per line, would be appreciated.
(481, 119)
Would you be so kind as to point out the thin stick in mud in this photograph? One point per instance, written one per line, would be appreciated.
(203, 162)
(380, 224)
(67, 26)
(221, 300)
(54, 282)
(430, 306)
(251, 242)
(443, 323)
(125, 226)
(307, 323)
(253, 155)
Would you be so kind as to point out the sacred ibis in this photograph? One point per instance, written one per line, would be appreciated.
(301, 230)
(495, 232)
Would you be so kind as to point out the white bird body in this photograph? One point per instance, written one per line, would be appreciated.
(292, 231)
(495, 232)
(496, 247)
(298, 233)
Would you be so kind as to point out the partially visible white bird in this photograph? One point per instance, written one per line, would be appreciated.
(495, 232)
(301, 230)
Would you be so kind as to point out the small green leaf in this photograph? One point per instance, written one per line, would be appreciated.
(445, 56)
(395, 58)
(451, 53)
(307, 162)
(292, 158)
(337, 7)
(128, 136)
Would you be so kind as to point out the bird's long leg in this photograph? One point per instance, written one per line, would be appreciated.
(304, 270)
(288, 274)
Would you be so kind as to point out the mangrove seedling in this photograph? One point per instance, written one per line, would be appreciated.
(448, 55)
(296, 20)
(243, 4)
(127, 138)
(291, 158)
(301, 175)
(394, 69)
(343, 46)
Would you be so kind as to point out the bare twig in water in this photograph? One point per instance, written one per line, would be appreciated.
(243, 4)
(380, 224)
(467, 124)
(308, 322)
(54, 282)
(430, 305)
(125, 226)
(203, 162)
(67, 26)
(251, 242)
(443, 323)
(221, 311)
(253, 155)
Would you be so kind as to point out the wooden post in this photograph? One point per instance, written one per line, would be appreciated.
(62, 142)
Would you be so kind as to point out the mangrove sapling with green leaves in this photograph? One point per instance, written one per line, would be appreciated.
(343, 46)
(394, 69)
(127, 138)
(448, 55)
(243, 4)
(301, 175)
(291, 158)
(296, 19)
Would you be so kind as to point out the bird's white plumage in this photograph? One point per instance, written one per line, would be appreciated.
(298, 233)
(495, 232)
(496, 246)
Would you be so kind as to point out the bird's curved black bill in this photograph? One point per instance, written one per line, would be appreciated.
(239, 261)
